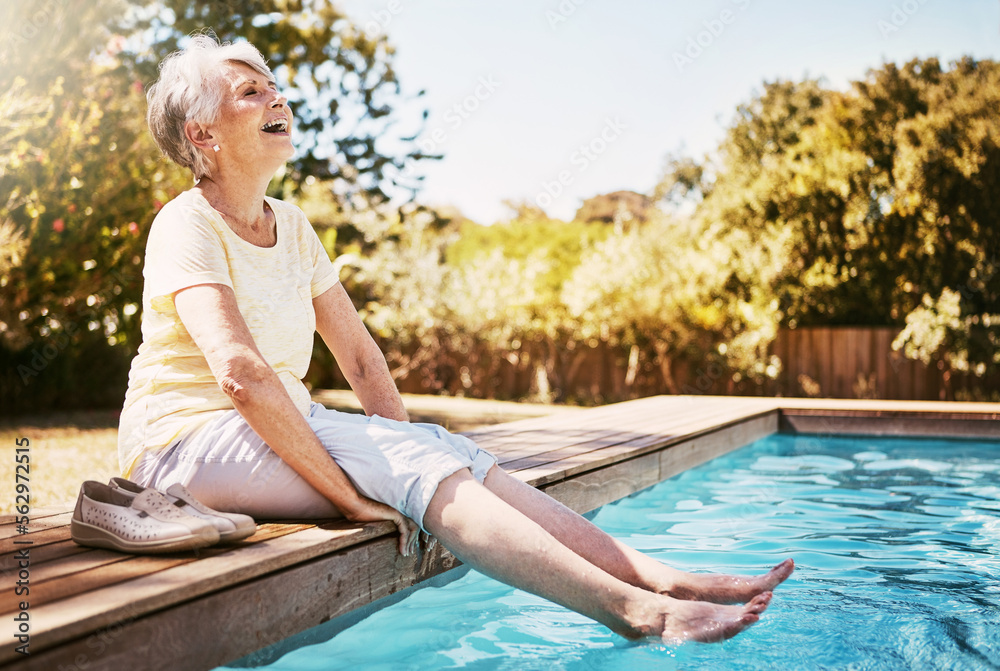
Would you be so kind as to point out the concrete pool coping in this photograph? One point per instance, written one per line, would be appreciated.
(102, 610)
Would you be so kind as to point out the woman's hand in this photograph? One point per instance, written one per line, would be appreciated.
(367, 510)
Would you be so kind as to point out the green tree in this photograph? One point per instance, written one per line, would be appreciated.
(686, 297)
(399, 287)
(526, 260)
(530, 234)
(42, 41)
(81, 179)
(886, 190)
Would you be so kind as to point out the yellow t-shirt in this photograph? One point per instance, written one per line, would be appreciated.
(171, 389)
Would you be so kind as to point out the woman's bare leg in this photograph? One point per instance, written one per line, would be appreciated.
(495, 538)
(625, 563)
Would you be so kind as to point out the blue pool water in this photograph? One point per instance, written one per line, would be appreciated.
(897, 543)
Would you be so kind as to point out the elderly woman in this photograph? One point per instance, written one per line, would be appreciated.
(236, 284)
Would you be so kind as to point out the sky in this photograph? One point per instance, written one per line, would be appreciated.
(555, 101)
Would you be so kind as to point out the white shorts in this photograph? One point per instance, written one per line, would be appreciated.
(228, 467)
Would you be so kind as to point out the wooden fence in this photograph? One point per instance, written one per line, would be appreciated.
(859, 362)
(830, 362)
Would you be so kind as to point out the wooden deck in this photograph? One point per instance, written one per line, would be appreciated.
(97, 609)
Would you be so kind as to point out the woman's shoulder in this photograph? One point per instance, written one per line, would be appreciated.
(188, 216)
(286, 211)
(188, 206)
(291, 218)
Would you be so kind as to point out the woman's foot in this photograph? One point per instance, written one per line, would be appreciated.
(676, 621)
(721, 588)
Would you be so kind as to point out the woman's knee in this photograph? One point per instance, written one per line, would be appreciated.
(498, 480)
(450, 483)
(447, 492)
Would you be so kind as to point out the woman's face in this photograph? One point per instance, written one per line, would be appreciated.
(254, 124)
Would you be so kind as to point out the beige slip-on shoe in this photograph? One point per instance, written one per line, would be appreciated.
(231, 526)
(148, 523)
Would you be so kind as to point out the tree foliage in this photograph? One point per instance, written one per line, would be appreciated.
(82, 180)
(440, 302)
(888, 190)
(684, 295)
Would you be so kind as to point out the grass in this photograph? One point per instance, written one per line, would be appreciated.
(66, 449)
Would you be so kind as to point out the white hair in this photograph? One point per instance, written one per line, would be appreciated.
(190, 88)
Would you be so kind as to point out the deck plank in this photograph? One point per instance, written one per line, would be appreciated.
(36, 514)
(176, 580)
(654, 428)
(569, 463)
(8, 529)
(35, 539)
(605, 430)
(96, 569)
(41, 554)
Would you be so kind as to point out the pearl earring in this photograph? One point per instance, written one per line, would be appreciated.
(215, 147)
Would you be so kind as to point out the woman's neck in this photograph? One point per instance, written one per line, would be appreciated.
(243, 207)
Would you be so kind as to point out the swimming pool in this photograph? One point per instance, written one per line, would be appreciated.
(897, 543)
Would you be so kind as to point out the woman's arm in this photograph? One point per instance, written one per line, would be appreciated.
(210, 314)
(359, 358)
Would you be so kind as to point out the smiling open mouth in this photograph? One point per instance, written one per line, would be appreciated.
(276, 126)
